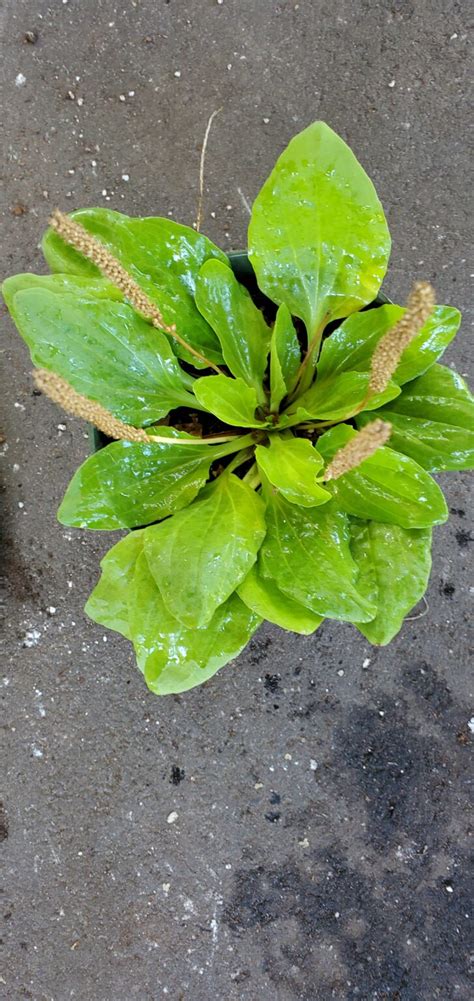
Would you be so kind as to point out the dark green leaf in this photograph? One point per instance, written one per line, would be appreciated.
(105, 350)
(351, 346)
(130, 483)
(292, 466)
(172, 657)
(239, 324)
(163, 257)
(285, 357)
(388, 487)
(433, 421)
(306, 554)
(231, 400)
(262, 595)
(318, 239)
(108, 603)
(394, 566)
(200, 555)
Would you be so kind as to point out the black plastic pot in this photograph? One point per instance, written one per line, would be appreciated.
(243, 270)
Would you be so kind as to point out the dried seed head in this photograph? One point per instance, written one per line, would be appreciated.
(77, 236)
(390, 348)
(80, 406)
(365, 443)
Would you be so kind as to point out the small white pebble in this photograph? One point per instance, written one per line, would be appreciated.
(453, 36)
(166, 888)
(392, 83)
(131, 93)
(304, 843)
(313, 765)
(288, 757)
(20, 80)
(80, 101)
(51, 610)
(258, 785)
(449, 889)
(16, 467)
(172, 817)
(337, 914)
(366, 662)
(125, 177)
(471, 724)
(177, 73)
(341, 673)
(266, 121)
(20, 504)
(61, 427)
(122, 97)
(104, 191)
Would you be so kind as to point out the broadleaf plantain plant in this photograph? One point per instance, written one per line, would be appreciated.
(272, 451)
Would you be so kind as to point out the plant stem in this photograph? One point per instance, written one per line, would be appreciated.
(252, 477)
(301, 381)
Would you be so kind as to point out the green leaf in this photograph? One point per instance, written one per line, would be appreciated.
(433, 421)
(388, 487)
(239, 324)
(130, 483)
(174, 658)
(351, 346)
(163, 257)
(306, 554)
(337, 397)
(318, 239)
(292, 466)
(105, 350)
(200, 555)
(262, 595)
(285, 357)
(108, 603)
(92, 288)
(394, 566)
(231, 400)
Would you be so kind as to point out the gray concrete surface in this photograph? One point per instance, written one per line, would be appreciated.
(320, 785)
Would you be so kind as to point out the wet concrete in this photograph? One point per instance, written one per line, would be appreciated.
(319, 847)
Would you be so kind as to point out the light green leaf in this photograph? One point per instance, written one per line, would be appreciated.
(163, 257)
(433, 421)
(337, 397)
(105, 350)
(388, 487)
(92, 288)
(239, 324)
(174, 658)
(351, 346)
(285, 357)
(394, 566)
(306, 554)
(108, 603)
(129, 483)
(318, 239)
(292, 465)
(231, 400)
(200, 555)
(262, 595)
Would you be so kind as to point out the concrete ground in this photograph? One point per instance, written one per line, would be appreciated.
(320, 784)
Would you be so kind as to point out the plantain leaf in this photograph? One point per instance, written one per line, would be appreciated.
(163, 257)
(318, 239)
(351, 346)
(433, 421)
(262, 595)
(200, 555)
(231, 400)
(388, 487)
(337, 397)
(239, 324)
(108, 603)
(93, 288)
(292, 466)
(104, 349)
(174, 658)
(285, 357)
(394, 566)
(306, 554)
(129, 483)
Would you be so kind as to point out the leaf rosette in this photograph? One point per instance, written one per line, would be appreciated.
(274, 439)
